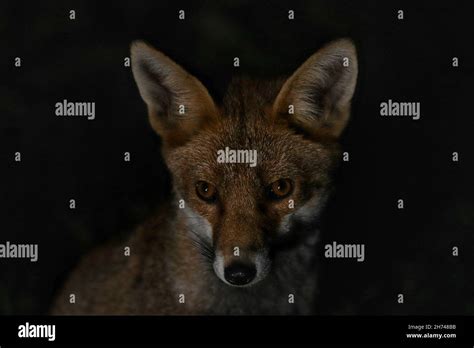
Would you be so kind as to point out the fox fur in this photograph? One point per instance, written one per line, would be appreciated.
(178, 258)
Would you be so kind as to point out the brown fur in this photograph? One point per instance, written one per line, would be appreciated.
(167, 254)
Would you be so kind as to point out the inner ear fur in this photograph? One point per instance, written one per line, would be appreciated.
(320, 91)
(178, 103)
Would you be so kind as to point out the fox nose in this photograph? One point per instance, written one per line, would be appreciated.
(239, 274)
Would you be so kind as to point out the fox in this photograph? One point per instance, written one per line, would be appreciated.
(234, 238)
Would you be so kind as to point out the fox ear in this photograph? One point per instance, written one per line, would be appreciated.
(178, 104)
(316, 98)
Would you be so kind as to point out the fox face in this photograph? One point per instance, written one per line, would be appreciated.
(253, 172)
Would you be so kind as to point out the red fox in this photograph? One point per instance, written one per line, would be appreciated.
(250, 178)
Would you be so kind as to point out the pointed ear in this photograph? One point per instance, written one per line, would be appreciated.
(178, 104)
(320, 91)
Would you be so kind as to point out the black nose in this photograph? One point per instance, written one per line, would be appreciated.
(239, 273)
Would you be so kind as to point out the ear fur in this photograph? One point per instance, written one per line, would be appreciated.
(178, 103)
(321, 90)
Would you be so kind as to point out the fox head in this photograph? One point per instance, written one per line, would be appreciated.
(239, 210)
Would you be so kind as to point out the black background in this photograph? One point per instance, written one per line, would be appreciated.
(408, 251)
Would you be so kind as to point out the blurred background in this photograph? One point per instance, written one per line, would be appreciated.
(408, 251)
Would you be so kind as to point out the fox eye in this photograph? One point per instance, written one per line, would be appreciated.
(206, 191)
(280, 189)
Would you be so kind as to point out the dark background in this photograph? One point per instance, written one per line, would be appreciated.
(407, 251)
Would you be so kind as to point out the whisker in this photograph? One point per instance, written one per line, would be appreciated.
(201, 245)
